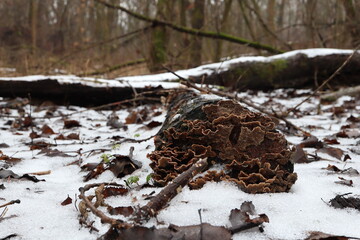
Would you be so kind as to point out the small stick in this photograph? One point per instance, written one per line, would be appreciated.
(40, 173)
(10, 203)
(159, 201)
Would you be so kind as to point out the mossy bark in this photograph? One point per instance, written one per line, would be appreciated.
(297, 71)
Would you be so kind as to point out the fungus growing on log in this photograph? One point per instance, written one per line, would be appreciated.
(244, 144)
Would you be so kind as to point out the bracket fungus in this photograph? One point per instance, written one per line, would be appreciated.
(243, 144)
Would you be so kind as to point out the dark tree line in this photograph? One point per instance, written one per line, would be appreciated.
(84, 36)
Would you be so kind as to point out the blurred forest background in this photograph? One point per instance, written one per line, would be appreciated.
(85, 37)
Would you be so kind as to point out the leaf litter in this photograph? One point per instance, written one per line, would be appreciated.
(285, 211)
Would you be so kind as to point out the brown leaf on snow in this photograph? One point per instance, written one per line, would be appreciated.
(53, 153)
(71, 136)
(39, 145)
(153, 124)
(348, 133)
(8, 159)
(348, 171)
(125, 211)
(194, 232)
(334, 152)
(47, 130)
(71, 123)
(243, 218)
(299, 156)
(34, 135)
(331, 141)
(10, 174)
(343, 181)
(114, 191)
(67, 201)
(325, 236)
(340, 201)
(311, 142)
(120, 165)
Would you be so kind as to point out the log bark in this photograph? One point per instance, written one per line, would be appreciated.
(298, 71)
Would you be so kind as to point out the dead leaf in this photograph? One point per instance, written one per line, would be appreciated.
(344, 181)
(240, 218)
(8, 159)
(67, 201)
(53, 153)
(34, 135)
(173, 232)
(340, 201)
(331, 141)
(299, 156)
(10, 174)
(334, 152)
(47, 130)
(71, 124)
(325, 236)
(311, 142)
(114, 191)
(73, 136)
(39, 145)
(348, 171)
(153, 124)
(125, 211)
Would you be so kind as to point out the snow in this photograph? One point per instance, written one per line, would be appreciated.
(292, 215)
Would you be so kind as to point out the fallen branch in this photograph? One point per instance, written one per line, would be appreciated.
(158, 202)
(105, 219)
(331, 97)
(192, 31)
(325, 82)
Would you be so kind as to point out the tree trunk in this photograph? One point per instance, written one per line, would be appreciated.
(223, 28)
(158, 55)
(197, 22)
(352, 21)
(33, 17)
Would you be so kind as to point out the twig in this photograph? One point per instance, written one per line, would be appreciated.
(10, 203)
(40, 173)
(325, 82)
(159, 201)
(114, 222)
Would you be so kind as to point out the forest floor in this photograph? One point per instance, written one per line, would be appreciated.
(58, 145)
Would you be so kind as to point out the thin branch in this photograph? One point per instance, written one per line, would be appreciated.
(325, 82)
(197, 32)
(113, 68)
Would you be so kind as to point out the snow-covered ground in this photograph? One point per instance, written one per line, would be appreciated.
(292, 215)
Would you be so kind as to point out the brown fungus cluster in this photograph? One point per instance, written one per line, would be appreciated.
(243, 143)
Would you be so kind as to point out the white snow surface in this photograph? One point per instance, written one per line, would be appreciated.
(292, 215)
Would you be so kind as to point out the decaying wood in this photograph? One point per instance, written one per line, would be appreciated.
(298, 71)
(52, 90)
(252, 153)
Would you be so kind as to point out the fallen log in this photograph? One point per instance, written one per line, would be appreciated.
(244, 144)
(297, 69)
